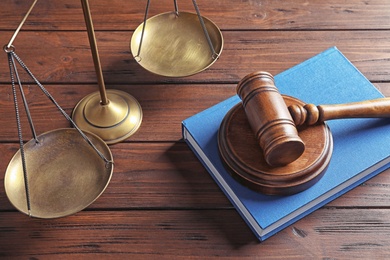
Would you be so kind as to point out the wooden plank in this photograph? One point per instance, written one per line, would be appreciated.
(161, 202)
(168, 175)
(199, 234)
(227, 14)
(164, 107)
(65, 57)
(384, 88)
(147, 175)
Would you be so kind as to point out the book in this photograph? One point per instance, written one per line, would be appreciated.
(360, 146)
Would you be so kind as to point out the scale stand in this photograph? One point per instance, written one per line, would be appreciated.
(113, 115)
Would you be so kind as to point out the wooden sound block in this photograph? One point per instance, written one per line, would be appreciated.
(245, 161)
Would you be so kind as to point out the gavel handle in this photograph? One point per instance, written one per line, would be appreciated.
(311, 114)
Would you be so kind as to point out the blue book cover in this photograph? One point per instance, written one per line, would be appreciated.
(360, 149)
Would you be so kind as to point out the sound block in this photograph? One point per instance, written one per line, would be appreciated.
(244, 159)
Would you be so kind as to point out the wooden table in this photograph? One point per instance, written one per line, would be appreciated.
(161, 203)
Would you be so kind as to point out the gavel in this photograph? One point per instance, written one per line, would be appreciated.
(274, 124)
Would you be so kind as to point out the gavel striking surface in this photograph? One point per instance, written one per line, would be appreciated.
(245, 160)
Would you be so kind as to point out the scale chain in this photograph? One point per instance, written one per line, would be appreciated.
(30, 121)
(143, 30)
(214, 54)
(176, 7)
(22, 154)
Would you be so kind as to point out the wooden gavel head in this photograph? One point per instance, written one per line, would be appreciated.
(270, 119)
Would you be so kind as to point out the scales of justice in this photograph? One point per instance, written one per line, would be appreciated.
(274, 144)
(42, 179)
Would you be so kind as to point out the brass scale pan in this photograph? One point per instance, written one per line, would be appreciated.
(59, 172)
(176, 44)
(65, 174)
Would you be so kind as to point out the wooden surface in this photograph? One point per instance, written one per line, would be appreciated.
(161, 202)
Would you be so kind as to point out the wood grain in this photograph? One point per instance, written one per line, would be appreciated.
(167, 175)
(161, 202)
(227, 14)
(164, 106)
(65, 57)
(158, 124)
(214, 233)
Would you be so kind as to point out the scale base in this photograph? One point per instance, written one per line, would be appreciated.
(244, 159)
(114, 122)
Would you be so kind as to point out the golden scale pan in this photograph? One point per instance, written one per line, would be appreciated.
(65, 174)
(176, 44)
(59, 172)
